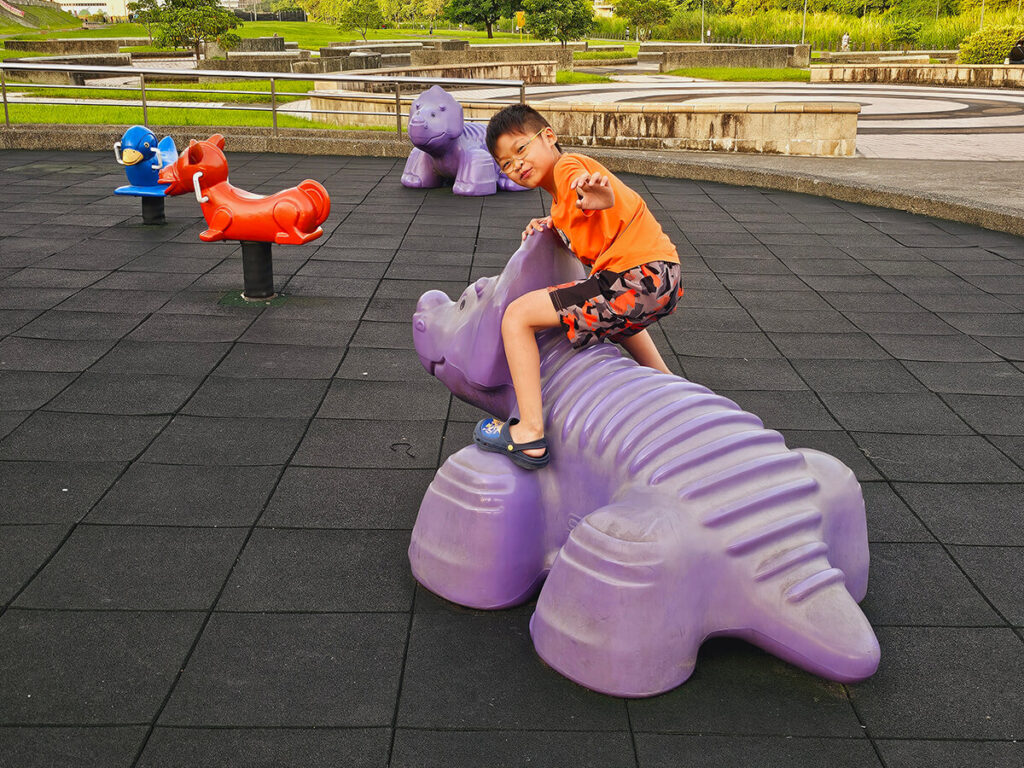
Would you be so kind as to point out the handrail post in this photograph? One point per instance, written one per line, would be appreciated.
(398, 106)
(522, 92)
(3, 86)
(145, 109)
(273, 104)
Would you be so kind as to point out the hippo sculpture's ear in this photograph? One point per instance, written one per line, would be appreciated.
(541, 261)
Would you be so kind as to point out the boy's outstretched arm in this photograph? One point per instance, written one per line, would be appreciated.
(593, 192)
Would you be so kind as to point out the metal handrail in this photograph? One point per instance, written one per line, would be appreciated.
(146, 91)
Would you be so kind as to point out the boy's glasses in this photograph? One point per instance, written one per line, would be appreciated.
(519, 155)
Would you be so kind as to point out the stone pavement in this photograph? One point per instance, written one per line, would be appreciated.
(206, 507)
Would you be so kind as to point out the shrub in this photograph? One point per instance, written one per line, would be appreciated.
(989, 46)
(905, 32)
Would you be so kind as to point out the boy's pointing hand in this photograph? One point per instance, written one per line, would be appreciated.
(593, 192)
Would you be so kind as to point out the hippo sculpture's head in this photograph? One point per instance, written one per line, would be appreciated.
(435, 120)
(459, 341)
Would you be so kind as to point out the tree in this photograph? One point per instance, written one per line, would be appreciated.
(361, 15)
(485, 12)
(397, 11)
(905, 32)
(145, 12)
(325, 11)
(191, 23)
(644, 15)
(561, 20)
(430, 9)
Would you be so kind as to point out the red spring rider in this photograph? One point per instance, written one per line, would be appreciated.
(292, 216)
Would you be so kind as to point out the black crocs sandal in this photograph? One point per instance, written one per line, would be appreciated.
(492, 435)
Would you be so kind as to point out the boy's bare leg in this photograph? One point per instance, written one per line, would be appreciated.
(641, 347)
(524, 317)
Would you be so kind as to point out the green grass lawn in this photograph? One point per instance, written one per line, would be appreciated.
(40, 16)
(563, 77)
(181, 92)
(5, 54)
(98, 115)
(308, 34)
(744, 74)
(598, 55)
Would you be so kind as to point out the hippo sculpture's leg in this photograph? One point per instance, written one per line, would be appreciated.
(478, 175)
(632, 595)
(419, 171)
(478, 536)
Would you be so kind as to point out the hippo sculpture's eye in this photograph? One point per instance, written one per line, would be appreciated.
(462, 304)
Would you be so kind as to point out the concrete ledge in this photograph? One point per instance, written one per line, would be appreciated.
(533, 72)
(964, 75)
(44, 77)
(727, 54)
(869, 57)
(72, 45)
(476, 54)
(902, 185)
(820, 129)
(770, 58)
(260, 44)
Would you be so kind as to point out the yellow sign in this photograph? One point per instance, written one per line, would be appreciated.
(520, 19)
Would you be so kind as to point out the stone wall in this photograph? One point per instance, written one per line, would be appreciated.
(317, 66)
(260, 44)
(344, 50)
(500, 53)
(533, 72)
(64, 78)
(59, 47)
(299, 54)
(812, 129)
(970, 76)
(774, 58)
(255, 62)
(871, 57)
(797, 55)
(395, 60)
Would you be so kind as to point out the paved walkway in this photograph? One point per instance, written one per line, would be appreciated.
(204, 515)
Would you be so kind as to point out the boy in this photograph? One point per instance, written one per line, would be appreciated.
(634, 279)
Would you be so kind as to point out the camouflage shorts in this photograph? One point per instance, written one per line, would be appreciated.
(616, 305)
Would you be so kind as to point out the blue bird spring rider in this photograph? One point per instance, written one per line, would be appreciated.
(142, 158)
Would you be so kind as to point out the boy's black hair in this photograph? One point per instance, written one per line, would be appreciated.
(515, 118)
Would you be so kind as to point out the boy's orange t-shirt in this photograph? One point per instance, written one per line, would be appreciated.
(617, 238)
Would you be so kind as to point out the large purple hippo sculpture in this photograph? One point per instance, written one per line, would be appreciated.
(447, 147)
(667, 515)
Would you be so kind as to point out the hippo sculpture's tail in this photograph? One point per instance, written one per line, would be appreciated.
(667, 515)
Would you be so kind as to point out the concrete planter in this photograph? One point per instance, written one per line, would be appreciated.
(963, 75)
(811, 129)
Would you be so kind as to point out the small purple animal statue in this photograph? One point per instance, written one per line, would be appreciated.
(667, 515)
(447, 147)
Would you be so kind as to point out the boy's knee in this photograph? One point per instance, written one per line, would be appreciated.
(513, 320)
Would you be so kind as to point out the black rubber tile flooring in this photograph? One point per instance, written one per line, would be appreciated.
(206, 507)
